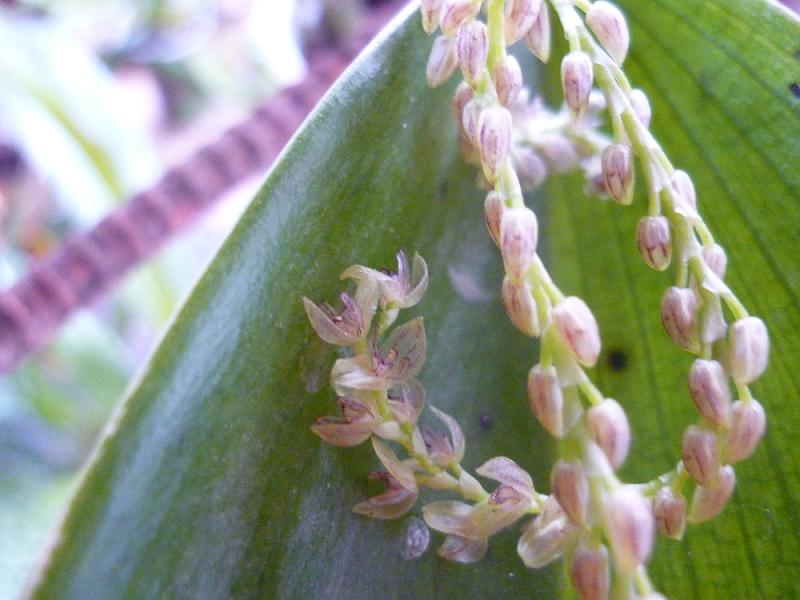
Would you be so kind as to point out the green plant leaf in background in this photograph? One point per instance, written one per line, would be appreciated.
(211, 485)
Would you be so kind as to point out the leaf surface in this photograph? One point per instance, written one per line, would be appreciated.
(212, 485)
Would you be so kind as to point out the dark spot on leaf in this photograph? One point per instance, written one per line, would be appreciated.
(441, 191)
(486, 421)
(617, 360)
(795, 89)
(796, 53)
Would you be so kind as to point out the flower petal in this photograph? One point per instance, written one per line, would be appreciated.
(456, 435)
(402, 354)
(325, 327)
(418, 283)
(402, 473)
(356, 373)
(462, 550)
(508, 472)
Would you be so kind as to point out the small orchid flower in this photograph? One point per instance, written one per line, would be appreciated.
(402, 289)
(398, 359)
(353, 427)
(401, 493)
(341, 328)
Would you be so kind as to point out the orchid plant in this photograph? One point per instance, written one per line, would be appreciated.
(604, 527)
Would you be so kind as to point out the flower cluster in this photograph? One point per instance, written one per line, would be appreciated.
(380, 399)
(605, 527)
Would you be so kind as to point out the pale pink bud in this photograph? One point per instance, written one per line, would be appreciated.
(609, 429)
(708, 502)
(653, 239)
(630, 527)
(342, 328)
(494, 139)
(576, 81)
(507, 77)
(716, 259)
(546, 400)
(578, 329)
(747, 428)
(669, 511)
(748, 349)
(472, 47)
(686, 196)
(641, 106)
(530, 168)
(538, 37)
(708, 385)
(571, 489)
(617, 167)
(519, 233)
(520, 306)
(461, 97)
(607, 23)
(589, 573)
(430, 14)
(469, 120)
(442, 61)
(493, 209)
(700, 453)
(455, 13)
(678, 315)
(519, 18)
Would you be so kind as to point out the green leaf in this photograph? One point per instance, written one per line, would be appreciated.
(211, 484)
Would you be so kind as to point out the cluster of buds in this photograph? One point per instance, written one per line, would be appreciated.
(604, 526)
(381, 400)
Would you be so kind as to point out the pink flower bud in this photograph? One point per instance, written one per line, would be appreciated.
(678, 315)
(546, 400)
(708, 386)
(571, 489)
(507, 77)
(716, 259)
(520, 306)
(669, 511)
(686, 201)
(747, 428)
(461, 97)
(341, 328)
(442, 61)
(708, 502)
(589, 573)
(472, 47)
(494, 139)
(608, 25)
(519, 233)
(630, 527)
(655, 244)
(469, 120)
(530, 168)
(617, 167)
(700, 453)
(519, 18)
(578, 329)
(455, 13)
(430, 14)
(538, 37)
(609, 429)
(641, 106)
(748, 349)
(576, 81)
(493, 209)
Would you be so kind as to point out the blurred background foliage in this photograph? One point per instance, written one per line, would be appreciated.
(97, 99)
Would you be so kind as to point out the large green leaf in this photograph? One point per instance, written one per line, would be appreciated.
(211, 485)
